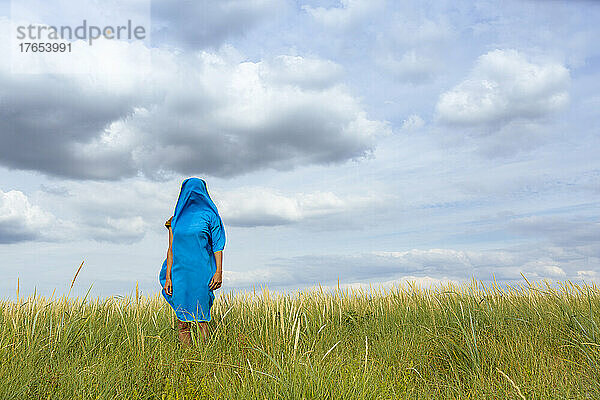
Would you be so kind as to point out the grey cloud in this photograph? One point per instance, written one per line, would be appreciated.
(307, 270)
(57, 190)
(306, 134)
(43, 117)
(13, 233)
(207, 23)
(447, 264)
(196, 117)
(211, 115)
(574, 231)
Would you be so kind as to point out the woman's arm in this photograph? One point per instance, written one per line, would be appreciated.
(217, 236)
(170, 253)
(217, 278)
(219, 260)
(168, 282)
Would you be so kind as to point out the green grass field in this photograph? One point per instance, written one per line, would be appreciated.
(532, 341)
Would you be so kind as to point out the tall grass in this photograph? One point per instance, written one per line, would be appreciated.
(532, 341)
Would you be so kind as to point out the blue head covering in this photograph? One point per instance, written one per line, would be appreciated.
(193, 198)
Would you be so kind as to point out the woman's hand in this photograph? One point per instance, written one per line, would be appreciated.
(168, 286)
(216, 280)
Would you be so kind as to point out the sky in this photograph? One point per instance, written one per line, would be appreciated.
(365, 142)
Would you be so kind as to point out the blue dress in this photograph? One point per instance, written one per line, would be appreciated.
(197, 234)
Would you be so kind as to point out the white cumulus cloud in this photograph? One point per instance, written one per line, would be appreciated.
(505, 85)
(21, 221)
(256, 206)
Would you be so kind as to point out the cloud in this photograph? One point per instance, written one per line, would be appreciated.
(116, 230)
(326, 269)
(412, 66)
(256, 206)
(308, 73)
(413, 49)
(513, 137)
(544, 269)
(205, 113)
(201, 24)
(48, 121)
(115, 212)
(236, 122)
(413, 122)
(561, 231)
(505, 86)
(425, 265)
(347, 15)
(125, 211)
(588, 275)
(22, 221)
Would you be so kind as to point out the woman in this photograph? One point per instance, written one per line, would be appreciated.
(193, 267)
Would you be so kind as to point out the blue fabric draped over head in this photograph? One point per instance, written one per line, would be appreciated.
(195, 199)
(197, 233)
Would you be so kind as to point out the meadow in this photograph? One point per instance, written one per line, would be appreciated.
(527, 341)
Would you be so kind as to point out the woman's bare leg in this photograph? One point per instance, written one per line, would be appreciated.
(204, 330)
(185, 335)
